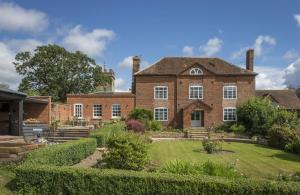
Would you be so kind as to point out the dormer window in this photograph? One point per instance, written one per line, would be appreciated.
(196, 71)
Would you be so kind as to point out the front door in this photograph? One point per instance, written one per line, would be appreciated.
(196, 118)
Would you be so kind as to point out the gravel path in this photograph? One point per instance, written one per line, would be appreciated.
(91, 160)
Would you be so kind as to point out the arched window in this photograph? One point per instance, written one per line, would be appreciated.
(196, 71)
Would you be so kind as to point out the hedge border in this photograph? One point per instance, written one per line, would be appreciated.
(68, 180)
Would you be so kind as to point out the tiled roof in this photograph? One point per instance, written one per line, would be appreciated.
(103, 94)
(176, 65)
(284, 98)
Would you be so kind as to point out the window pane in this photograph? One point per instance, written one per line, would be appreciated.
(196, 92)
(97, 110)
(161, 114)
(161, 92)
(230, 92)
(229, 114)
(116, 110)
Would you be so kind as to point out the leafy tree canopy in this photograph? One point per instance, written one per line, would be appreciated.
(54, 71)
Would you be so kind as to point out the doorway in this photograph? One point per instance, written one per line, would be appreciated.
(197, 118)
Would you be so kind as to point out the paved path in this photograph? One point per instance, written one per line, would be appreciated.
(91, 160)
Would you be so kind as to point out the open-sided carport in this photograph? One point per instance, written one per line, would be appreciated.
(16, 107)
(11, 112)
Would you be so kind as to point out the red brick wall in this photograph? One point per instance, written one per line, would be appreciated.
(41, 112)
(125, 100)
(178, 95)
(61, 112)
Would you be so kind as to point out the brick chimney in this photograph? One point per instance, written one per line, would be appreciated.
(249, 59)
(136, 61)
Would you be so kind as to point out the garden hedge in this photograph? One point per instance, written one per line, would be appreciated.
(62, 154)
(68, 180)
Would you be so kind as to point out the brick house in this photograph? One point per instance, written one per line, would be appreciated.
(193, 92)
(182, 92)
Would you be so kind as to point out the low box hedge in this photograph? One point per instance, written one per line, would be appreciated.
(68, 180)
(62, 154)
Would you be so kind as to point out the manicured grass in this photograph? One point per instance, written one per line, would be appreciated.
(5, 177)
(253, 160)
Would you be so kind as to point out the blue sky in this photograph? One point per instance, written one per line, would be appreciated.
(112, 31)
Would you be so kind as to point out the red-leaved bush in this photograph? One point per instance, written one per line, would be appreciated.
(135, 126)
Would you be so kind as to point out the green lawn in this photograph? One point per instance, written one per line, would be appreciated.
(5, 177)
(253, 160)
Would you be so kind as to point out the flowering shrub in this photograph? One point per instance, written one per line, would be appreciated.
(135, 126)
(211, 146)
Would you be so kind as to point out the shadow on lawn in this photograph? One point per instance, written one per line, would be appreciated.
(287, 156)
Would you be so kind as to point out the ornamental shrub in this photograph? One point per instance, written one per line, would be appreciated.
(126, 151)
(280, 136)
(237, 128)
(211, 146)
(153, 125)
(215, 169)
(257, 115)
(141, 114)
(287, 119)
(294, 146)
(135, 125)
(104, 133)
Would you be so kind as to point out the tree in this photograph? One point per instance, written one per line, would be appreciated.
(257, 115)
(54, 71)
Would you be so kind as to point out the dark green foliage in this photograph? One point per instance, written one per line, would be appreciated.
(153, 125)
(293, 146)
(104, 133)
(287, 119)
(54, 71)
(67, 180)
(62, 154)
(211, 146)
(280, 136)
(141, 114)
(126, 151)
(257, 116)
(237, 128)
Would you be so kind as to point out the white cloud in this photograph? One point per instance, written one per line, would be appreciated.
(188, 50)
(297, 18)
(92, 43)
(15, 18)
(292, 73)
(291, 55)
(269, 78)
(8, 74)
(127, 63)
(212, 47)
(21, 45)
(261, 43)
(121, 85)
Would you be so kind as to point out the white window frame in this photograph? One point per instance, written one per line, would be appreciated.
(100, 111)
(229, 98)
(112, 111)
(224, 114)
(157, 108)
(74, 110)
(158, 98)
(196, 71)
(197, 98)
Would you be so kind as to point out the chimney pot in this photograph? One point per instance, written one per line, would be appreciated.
(136, 61)
(250, 59)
